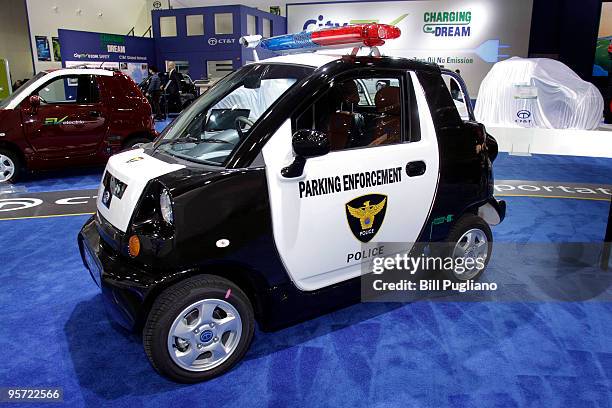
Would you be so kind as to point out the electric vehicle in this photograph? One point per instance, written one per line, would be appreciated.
(262, 200)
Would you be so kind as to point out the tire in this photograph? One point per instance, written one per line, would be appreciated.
(130, 143)
(458, 238)
(178, 309)
(10, 166)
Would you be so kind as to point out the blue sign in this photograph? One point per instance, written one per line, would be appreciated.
(128, 54)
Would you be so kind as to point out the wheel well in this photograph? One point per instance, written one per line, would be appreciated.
(239, 276)
(138, 135)
(14, 148)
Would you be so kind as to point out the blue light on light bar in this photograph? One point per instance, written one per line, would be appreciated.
(289, 42)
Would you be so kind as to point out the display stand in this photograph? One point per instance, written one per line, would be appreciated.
(607, 247)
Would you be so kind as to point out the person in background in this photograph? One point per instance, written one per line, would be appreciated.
(173, 88)
(154, 91)
(17, 84)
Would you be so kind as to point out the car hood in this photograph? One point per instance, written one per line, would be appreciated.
(125, 179)
(136, 169)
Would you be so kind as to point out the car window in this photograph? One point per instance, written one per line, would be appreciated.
(458, 96)
(23, 88)
(360, 112)
(215, 124)
(368, 87)
(82, 89)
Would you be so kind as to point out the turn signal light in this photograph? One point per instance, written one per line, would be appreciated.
(134, 246)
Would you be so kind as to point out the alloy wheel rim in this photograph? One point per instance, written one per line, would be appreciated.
(7, 168)
(472, 244)
(204, 335)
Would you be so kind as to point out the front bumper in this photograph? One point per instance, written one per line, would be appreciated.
(124, 286)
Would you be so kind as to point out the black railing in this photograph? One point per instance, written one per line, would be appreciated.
(148, 33)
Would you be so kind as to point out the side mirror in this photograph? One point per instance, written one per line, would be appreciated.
(34, 103)
(306, 143)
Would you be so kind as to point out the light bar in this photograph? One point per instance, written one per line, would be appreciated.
(370, 35)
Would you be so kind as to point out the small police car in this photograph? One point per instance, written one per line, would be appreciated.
(262, 200)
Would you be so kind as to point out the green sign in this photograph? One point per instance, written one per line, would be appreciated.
(55, 121)
(5, 79)
(116, 39)
(112, 42)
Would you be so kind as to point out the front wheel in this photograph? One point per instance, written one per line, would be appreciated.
(10, 166)
(469, 239)
(198, 329)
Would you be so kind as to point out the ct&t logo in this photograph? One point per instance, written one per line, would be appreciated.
(524, 116)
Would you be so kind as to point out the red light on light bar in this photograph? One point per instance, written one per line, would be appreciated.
(369, 34)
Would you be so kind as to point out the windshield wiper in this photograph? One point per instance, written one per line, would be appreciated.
(191, 139)
(211, 140)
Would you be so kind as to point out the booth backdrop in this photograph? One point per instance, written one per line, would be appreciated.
(470, 36)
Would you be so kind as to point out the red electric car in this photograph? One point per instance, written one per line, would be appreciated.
(71, 117)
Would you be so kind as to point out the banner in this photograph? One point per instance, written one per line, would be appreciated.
(604, 38)
(128, 54)
(5, 79)
(57, 54)
(470, 35)
(42, 48)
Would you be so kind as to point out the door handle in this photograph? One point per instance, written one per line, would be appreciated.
(95, 114)
(416, 168)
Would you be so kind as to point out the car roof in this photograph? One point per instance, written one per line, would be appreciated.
(84, 71)
(317, 60)
(50, 74)
(312, 59)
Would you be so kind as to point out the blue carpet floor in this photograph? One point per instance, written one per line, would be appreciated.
(422, 354)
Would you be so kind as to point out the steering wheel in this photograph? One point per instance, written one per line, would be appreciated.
(239, 120)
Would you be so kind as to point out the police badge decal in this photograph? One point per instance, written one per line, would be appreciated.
(365, 215)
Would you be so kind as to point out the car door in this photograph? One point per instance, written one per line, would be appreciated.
(71, 120)
(354, 202)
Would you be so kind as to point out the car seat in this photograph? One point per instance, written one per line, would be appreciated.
(345, 127)
(388, 125)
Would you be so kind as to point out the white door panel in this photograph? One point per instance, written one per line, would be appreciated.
(312, 231)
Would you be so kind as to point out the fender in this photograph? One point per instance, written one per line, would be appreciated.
(493, 211)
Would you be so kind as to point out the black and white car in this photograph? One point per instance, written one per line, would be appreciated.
(249, 206)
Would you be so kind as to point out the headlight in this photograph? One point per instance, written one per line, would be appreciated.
(165, 204)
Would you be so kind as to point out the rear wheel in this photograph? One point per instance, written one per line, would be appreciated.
(470, 238)
(198, 329)
(10, 166)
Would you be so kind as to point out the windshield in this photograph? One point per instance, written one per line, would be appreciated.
(215, 124)
(5, 102)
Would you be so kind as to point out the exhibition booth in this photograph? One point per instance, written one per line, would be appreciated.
(202, 40)
(357, 203)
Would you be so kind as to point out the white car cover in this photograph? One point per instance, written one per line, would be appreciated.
(537, 92)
